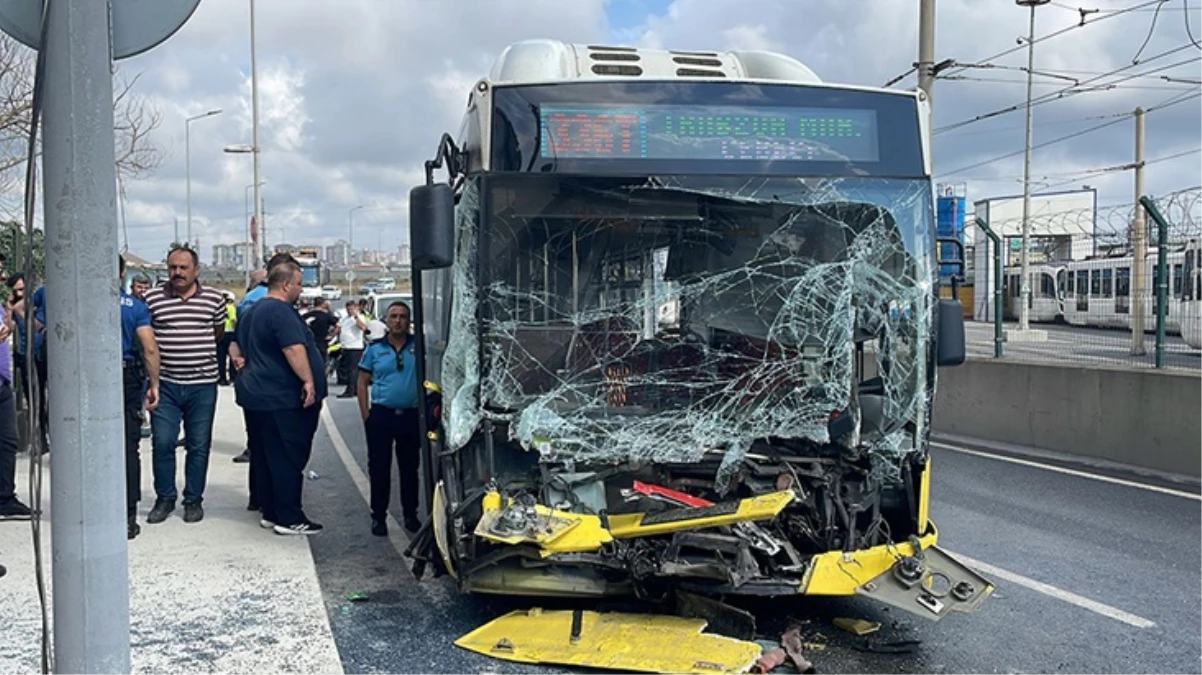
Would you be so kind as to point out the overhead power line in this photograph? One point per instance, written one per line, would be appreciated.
(1168, 103)
(1083, 23)
(1061, 93)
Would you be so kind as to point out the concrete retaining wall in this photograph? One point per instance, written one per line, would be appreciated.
(1141, 418)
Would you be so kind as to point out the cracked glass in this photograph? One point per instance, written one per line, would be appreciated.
(670, 318)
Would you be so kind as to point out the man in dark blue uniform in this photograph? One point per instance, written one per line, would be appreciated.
(388, 374)
(281, 388)
(140, 373)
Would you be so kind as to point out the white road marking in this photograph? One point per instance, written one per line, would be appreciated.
(396, 534)
(400, 541)
(1054, 592)
(1071, 472)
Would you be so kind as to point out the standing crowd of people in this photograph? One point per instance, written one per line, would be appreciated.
(183, 339)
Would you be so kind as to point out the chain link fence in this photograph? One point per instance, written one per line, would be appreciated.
(1092, 301)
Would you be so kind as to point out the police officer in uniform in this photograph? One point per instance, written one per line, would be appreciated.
(140, 373)
(388, 377)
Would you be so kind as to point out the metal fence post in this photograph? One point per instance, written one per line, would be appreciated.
(997, 285)
(1162, 274)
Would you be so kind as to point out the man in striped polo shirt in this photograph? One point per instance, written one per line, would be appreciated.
(188, 319)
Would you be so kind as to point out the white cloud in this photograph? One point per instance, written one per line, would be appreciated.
(355, 94)
(747, 37)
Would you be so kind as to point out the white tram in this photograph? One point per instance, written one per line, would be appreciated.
(1047, 298)
(1098, 292)
(1189, 297)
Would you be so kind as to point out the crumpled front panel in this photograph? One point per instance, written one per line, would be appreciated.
(660, 320)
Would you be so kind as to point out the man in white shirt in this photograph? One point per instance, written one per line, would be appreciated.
(350, 336)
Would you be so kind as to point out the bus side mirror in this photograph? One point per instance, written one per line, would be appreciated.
(432, 226)
(950, 347)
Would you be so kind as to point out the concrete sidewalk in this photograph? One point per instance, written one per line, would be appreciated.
(222, 595)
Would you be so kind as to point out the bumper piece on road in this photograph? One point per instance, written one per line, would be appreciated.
(641, 643)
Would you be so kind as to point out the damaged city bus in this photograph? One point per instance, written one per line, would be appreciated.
(681, 324)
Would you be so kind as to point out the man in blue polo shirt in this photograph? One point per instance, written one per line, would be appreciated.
(388, 375)
(139, 363)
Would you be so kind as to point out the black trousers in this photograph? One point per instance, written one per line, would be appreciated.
(392, 431)
(252, 437)
(225, 369)
(348, 368)
(41, 415)
(134, 385)
(8, 442)
(281, 449)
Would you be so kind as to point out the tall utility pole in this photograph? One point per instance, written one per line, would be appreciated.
(350, 253)
(1139, 240)
(254, 115)
(188, 162)
(91, 591)
(1024, 314)
(926, 48)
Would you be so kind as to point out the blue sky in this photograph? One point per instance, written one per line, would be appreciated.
(624, 15)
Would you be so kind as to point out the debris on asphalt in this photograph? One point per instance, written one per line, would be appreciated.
(890, 647)
(313, 475)
(792, 643)
(357, 596)
(643, 643)
(857, 626)
(770, 660)
(720, 617)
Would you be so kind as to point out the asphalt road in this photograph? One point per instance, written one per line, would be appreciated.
(1134, 550)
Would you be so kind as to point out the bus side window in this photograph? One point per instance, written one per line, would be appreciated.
(1095, 283)
(1177, 280)
(1106, 283)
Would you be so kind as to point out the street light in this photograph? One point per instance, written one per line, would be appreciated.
(244, 149)
(254, 116)
(188, 160)
(1024, 317)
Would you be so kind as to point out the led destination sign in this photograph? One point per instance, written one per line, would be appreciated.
(661, 132)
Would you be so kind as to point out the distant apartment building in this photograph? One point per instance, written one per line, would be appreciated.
(232, 255)
(339, 253)
(405, 257)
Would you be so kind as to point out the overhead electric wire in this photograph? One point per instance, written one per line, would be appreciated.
(1151, 30)
(1060, 94)
(1062, 31)
(32, 408)
(1188, 30)
(1167, 103)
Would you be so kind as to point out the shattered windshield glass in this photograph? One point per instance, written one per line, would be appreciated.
(658, 319)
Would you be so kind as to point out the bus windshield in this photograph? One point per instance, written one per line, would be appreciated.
(623, 316)
(310, 275)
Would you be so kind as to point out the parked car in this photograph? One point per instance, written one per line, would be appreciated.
(331, 292)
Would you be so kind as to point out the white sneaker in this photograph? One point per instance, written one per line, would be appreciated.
(266, 524)
(305, 528)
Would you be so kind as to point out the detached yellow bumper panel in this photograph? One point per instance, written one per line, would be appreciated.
(614, 642)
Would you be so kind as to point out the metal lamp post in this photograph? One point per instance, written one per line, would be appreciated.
(188, 160)
(248, 262)
(350, 253)
(255, 256)
(1024, 317)
(255, 149)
